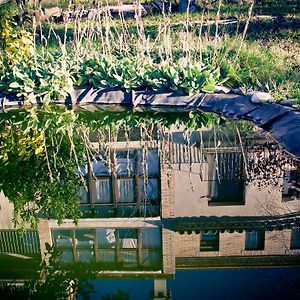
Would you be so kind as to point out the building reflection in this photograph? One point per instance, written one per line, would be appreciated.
(181, 204)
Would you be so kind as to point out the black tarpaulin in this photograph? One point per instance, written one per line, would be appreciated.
(282, 121)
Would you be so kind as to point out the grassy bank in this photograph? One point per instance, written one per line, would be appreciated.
(186, 52)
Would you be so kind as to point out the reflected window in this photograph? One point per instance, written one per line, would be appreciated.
(84, 196)
(209, 241)
(124, 184)
(130, 247)
(63, 240)
(103, 190)
(128, 238)
(126, 190)
(75, 244)
(151, 246)
(85, 243)
(255, 240)
(226, 180)
(291, 184)
(295, 238)
(106, 239)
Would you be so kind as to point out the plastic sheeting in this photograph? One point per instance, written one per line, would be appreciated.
(282, 121)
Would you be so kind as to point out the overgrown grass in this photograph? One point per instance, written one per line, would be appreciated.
(157, 51)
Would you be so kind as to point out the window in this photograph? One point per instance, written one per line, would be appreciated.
(111, 247)
(124, 184)
(209, 241)
(255, 240)
(76, 245)
(291, 184)
(85, 245)
(63, 239)
(103, 192)
(227, 185)
(295, 238)
(106, 246)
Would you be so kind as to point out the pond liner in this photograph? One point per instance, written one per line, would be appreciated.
(282, 121)
(266, 114)
(286, 131)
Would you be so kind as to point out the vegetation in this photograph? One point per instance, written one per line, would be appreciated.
(42, 152)
(54, 281)
(185, 52)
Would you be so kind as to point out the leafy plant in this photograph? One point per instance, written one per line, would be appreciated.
(38, 158)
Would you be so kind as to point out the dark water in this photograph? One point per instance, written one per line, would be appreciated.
(257, 283)
(154, 214)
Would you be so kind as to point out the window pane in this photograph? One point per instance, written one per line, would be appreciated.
(129, 257)
(151, 257)
(152, 190)
(84, 196)
(125, 164)
(85, 238)
(295, 238)
(106, 238)
(103, 191)
(86, 255)
(151, 238)
(63, 238)
(152, 162)
(209, 241)
(226, 183)
(107, 255)
(291, 184)
(255, 240)
(128, 238)
(100, 168)
(126, 190)
(66, 256)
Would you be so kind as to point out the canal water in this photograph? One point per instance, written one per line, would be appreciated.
(138, 206)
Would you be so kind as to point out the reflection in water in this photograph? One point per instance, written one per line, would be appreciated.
(151, 206)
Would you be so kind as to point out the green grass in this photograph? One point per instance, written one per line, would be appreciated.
(266, 60)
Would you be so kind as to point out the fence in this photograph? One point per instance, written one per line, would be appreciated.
(12, 241)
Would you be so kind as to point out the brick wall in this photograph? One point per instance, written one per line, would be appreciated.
(167, 193)
(232, 244)
(168, 254)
